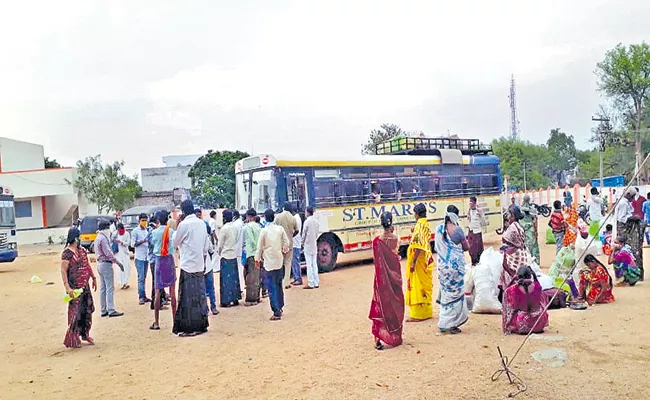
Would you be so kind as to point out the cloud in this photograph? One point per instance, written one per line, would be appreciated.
(139, 80)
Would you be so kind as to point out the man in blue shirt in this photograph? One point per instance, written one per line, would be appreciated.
(140, 242)
(646, 217)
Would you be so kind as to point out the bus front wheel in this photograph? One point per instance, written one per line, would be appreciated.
(327, 255)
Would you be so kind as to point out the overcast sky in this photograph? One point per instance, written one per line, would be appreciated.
(136, 80)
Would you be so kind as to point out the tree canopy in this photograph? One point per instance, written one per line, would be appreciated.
(624, 77)
(562, 153)
(51, 163)
(213, 178)
(106, 185)
(384, 133)
(517, 156)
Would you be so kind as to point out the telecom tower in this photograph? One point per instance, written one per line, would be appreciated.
(514, 122)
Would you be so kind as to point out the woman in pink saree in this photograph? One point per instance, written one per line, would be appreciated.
(524, 304)
(387, 307)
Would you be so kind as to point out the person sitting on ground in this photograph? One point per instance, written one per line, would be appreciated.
(595, 282)
(625, 268)
(524, 304)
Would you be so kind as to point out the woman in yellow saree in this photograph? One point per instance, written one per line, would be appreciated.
(419, 269)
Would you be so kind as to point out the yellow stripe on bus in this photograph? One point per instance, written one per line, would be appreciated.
(387, 162)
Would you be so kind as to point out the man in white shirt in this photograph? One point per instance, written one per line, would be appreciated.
(191, 238)
(214, 228)
(239, 224)
(475, 217)
(310, 231)
(273, 243)
(624, 209)
(229, 283)
(296, 270)
(595, 206)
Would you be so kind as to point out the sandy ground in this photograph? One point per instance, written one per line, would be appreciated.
(321, 349)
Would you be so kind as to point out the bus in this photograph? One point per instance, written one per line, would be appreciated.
(8, 242)
(349, 195)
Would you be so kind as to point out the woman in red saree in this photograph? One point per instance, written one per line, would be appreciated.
(75, 273)
(595, 282)
(387, 307)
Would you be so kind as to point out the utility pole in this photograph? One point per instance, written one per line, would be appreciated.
(601, 146)
(525, 187)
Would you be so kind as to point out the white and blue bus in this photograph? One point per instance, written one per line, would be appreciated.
(350, 194)
(8, 244)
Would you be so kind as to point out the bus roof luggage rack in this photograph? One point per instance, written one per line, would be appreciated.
(430, 146)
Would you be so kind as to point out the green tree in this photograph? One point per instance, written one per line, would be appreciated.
(51, 163)
(562, 154)
(624, 76)
(213, 178)
(518, 156)
(105, 185)
(384, 133)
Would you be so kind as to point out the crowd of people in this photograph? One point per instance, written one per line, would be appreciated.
(524, 301)
(254, 257)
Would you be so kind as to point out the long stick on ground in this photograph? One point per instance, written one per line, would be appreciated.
(523, 343)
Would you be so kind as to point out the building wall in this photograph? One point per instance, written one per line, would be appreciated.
(20, 156)
(165, 178)
(45, 182)
(58, 209)
(38, 236)
(36, 219)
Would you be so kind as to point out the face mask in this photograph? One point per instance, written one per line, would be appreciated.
(121, 231)
(143, 224)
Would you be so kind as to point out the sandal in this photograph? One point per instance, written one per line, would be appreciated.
(454, 331)
(275, 318)
(154, 327)
(379, 345)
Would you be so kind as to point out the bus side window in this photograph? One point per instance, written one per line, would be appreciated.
(356, 187)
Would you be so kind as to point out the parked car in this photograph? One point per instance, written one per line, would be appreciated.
(88, 229)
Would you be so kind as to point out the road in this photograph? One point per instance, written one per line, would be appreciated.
(322, 349)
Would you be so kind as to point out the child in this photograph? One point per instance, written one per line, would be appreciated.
(557, 224)
(607, 239)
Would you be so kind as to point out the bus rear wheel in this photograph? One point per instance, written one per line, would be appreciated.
(327, 254)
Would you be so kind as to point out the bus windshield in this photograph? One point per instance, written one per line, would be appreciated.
(264, 194)
(7, 214)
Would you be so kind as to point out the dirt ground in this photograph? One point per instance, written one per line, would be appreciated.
(321, 349)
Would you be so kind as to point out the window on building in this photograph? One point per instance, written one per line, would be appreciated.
(23, 209)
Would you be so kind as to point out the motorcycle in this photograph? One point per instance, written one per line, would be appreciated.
(544, 210)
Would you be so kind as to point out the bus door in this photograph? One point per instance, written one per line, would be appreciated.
(297, 188)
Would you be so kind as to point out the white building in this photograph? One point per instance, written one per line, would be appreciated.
(165, 179)
(46, 202)
(178, 161)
